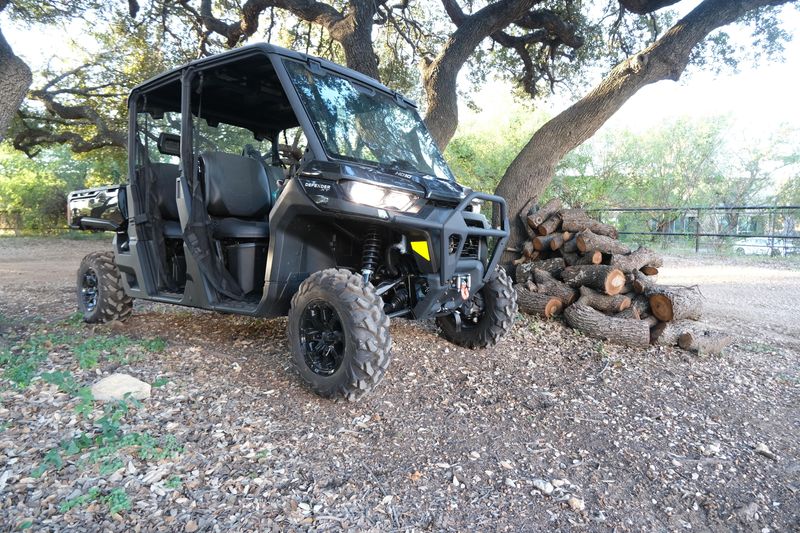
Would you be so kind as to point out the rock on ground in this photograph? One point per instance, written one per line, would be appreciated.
(116, 386)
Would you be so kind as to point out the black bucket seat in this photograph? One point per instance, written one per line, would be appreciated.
(238, 196)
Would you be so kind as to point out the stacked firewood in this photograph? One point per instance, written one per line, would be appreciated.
(575, 265)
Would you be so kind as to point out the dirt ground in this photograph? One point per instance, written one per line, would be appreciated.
(549, 430)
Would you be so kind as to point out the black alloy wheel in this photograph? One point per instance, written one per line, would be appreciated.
(322, 337)
(101, 296)
(339, 334)
(89, 290)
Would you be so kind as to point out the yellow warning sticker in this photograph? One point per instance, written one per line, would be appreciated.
(421, 247)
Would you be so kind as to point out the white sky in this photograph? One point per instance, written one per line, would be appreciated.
(758, 98)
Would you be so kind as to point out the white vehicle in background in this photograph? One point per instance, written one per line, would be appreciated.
(764, 246)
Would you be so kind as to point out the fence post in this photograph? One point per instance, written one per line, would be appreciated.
(697, 232)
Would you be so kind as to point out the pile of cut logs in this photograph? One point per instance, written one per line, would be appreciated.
(573, 264)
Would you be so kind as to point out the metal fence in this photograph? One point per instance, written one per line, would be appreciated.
(744, 230)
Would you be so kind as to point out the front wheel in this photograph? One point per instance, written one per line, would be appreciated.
(101, 297)
(339, 334)
(491, 314)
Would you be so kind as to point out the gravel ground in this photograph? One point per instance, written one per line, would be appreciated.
(550, 430)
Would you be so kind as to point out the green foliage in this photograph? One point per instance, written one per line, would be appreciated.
(79, 501)
(174, 483)
(33, 192)
(160, 382)
(116, 500)
(483, 148)
(21, 363)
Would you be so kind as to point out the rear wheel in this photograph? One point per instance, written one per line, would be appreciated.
(339, 334)
(490, 315)
(101, 297)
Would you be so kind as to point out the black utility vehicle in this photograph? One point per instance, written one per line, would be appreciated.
(265, 182)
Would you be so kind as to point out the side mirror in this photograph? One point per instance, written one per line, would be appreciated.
(169, 144)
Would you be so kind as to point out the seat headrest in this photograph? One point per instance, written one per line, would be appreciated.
(235, 186)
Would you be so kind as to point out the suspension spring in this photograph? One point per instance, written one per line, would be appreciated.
(371, 254)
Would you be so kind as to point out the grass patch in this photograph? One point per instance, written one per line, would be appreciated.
(21, 362)
(116, 500)
(160, 382)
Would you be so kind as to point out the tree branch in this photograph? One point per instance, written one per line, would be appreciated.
(642, 7)
(666, 59)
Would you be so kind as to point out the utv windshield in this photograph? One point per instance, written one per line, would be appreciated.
(358, 123)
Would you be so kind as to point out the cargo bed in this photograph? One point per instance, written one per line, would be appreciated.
(98, 209)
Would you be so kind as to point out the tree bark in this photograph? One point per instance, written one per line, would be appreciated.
(592, 258)
(545, 212)
(637, 259)
(675, 303)
(641, 304)
(666, 59)
(668, 333)
(570, 245)
(570, 258)
(596, 324)
(536, 303)
(604, 278)
(440, 74)
(15, 79)
(543, 242)
(576, 220)
(588, 241)
(548, 226)
(353, 31)
(707, 342)
(630, 313)
(641, 282)
(603, 302)
(547, 284)
(524, 271)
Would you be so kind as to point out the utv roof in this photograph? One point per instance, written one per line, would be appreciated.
(237, 54)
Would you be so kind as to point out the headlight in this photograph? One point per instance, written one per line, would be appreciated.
(381, 197)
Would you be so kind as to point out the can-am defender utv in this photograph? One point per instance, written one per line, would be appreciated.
(227, 210)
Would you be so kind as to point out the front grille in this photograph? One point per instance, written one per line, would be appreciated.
(472, 248)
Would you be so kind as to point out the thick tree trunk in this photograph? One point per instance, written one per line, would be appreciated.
(548, 226)
(596, 324)
(588, 241)
(603, 302)
(544, 242)
(707, 342)
(546, 211)
(604, 278)
(594, 257)
(630, 313)
(536, 303)
(576, 220)
(641, 304)
(666, 59)
(675, 303)
(524, 271)
(15, 79)
(642, 282)
(635, 260)
(668, 333)
(547, 284)
(439, 75)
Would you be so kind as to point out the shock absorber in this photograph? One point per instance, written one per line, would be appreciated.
(371, 254)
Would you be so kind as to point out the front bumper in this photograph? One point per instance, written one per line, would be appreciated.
(449, 237)
(458, 242)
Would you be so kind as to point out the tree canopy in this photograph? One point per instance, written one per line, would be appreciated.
(420, 48)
